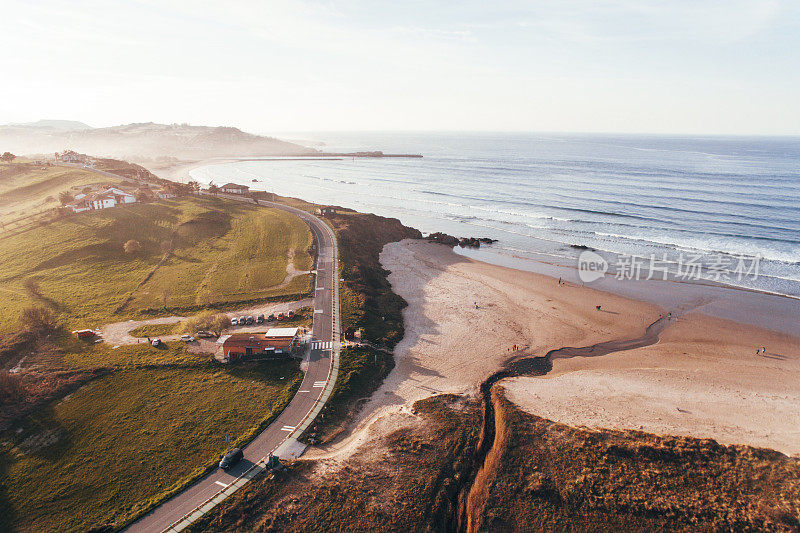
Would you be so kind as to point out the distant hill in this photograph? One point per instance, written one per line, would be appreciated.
(144, 141)
(53, 125)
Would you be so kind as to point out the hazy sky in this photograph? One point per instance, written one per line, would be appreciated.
(673, 66)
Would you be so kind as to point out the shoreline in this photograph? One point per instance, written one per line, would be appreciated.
(674, 292)
(692, 382)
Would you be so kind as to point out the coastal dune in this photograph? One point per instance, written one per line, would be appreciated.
(465, 318)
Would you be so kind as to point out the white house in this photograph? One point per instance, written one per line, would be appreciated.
(103, 200)
(121, 196)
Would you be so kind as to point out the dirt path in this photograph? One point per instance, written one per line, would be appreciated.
(291, 271)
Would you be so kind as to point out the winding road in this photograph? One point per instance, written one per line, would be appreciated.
(321, 367)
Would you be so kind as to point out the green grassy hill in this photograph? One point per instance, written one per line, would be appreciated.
(145, 421)
(192, 252)
(27, 189)
(128, 437)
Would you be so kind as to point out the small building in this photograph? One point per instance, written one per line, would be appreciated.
(109, 198)
(326, 211)
(276, 341)
(234, 188)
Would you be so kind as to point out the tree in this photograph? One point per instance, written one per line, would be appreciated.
(132, 246)
(64, 197)
(8, 157)
(213, 189)
(143, 196)
(193, 186)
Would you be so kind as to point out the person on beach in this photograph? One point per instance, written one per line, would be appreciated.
(559, 281)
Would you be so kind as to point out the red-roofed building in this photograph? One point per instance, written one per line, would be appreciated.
(239, 346)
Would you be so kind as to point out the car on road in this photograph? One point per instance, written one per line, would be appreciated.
(290, 314)
(250, 320)
(280, 317)
(187, 338)
(156, 342)
(204, 334)
(260, 319)
(242, 320)
(271, 317)
(234, 321)
(231, 458)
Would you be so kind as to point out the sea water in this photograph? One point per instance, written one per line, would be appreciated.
(728, 201)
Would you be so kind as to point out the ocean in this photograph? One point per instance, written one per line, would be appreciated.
(729, 204)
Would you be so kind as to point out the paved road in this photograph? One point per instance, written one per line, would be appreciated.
(318, 369)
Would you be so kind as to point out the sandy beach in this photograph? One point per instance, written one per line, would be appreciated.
(464, 317)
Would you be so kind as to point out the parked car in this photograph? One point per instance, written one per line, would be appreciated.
(156, 342)
(280, 316)
(290, 314)
(187, 338)
(260, 319)
(250, 320)
(231, 458)
(204, 334)
(234, 321)
(271, 317)
(242, 320)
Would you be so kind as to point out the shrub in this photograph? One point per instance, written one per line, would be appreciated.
(38, 320)
(207, 321)
(132, 246)
(10, 387)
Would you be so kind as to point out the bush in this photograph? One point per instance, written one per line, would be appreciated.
(10, 387)
(207, 321)
(132, 246)
(38, 320)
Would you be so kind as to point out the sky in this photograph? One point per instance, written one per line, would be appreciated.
(637, 66)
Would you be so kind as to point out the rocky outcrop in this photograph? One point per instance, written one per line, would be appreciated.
(463, 242)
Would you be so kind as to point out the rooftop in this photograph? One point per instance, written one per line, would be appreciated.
(282, 332)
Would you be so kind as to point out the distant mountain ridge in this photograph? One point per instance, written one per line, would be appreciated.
(141, 141)
(55, 125)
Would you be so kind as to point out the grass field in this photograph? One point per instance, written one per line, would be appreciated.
(27, 189)
(126, 437)
(154, 330)
(194, 252)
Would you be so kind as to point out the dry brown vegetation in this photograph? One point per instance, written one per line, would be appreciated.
(543, 477)
(405, 481)
(549, 476)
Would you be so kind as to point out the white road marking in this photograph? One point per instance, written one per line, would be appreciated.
(304, 391)
(319, 384)
(288, 428)
(221, 484)
(318, 311)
